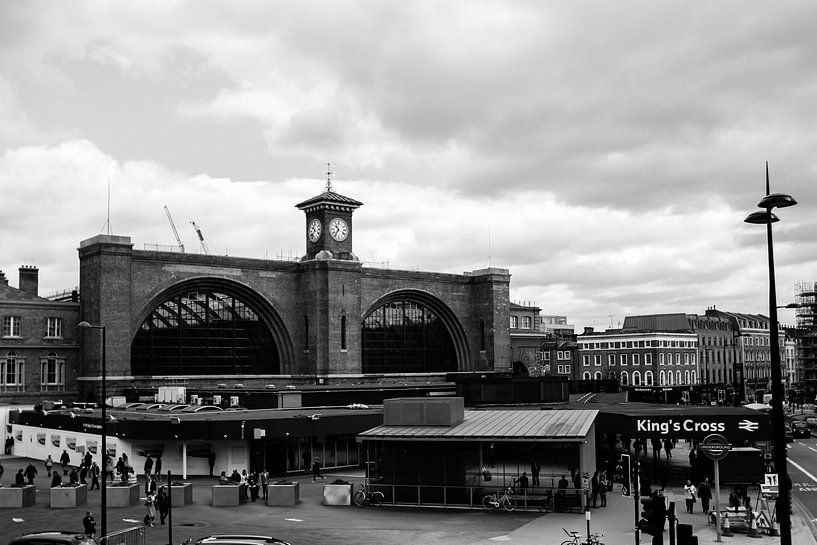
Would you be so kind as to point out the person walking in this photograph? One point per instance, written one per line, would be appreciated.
(689, 495)
(668, 447)
(158, 468)
(108, 468)
(594, 488)
(30, 473)
(148, 466)
(603, 489)
(162, 504)
(150, 505)
(94, 476)
(263, 478)
(705, 493)
(64, 461)
(87, 460)
(88, 523)
(535, 468)
(316, 470)
(49, 463)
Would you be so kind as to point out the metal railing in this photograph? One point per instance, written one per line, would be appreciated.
(128, 536)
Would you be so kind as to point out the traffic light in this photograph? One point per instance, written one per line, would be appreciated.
(626, 476)
(653, 515)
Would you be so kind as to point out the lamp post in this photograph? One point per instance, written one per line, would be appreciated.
(767, 218)
(103, 496)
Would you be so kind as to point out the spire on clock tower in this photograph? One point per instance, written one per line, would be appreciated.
(329, 223)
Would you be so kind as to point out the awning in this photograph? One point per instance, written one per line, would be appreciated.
(495, 425)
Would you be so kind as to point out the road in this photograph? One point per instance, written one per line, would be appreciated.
(802, 456)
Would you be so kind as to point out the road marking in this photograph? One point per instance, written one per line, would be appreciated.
(500, 538)
(15, 519)
(804, 470)
(294, 520)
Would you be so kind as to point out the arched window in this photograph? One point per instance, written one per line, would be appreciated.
(597, 375)
(662, 378)
(624, 378)
(670, 378)
(586, 375)
(12, 373)
(694, 377)
(686, 377)
(648, 378)
(636, 378)
(204, 332)
(678, 377)
(406, 337)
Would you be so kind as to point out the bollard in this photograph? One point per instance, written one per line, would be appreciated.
(726, 530)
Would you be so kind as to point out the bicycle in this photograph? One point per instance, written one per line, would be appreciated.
(577, 539)
(495, 501)
(364, 496)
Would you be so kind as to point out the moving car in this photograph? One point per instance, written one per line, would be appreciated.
(54, 537)
(224, 539)
(800, 428)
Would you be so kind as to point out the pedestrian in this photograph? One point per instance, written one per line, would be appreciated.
(522, 481)
(88, 459)
(108, 468)
(211, 461)
(73, 477)
(49, 463)
(150, 505)
(148, 466)
(668, 447)
(64, 461)
(263, 478)
(252, 481)
(83, 473)
(19, 479)
(30, 473)
(535, 468)
(603, 489)
(316, 469)
(158, 468)
(243, 485)
(89, 524)
(563, 482)
(56, 480)
(689, 495)
(162, 504)
(150, 486)
(94, 476)
(594, 488)
(705, 493)
(656, 449)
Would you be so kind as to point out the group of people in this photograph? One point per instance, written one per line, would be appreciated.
(249, 484)
(77, 475)
(156, 499)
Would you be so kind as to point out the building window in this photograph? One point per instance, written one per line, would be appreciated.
(692, 356)
(586, 375)
(52, 373)
(686, 358)
(648, 378)
(11, 326)
(661, 358)
(677, 358)
(597, 375)
(586, 360)
(12, 373)
(678, 377)
(647, 359)
(343, 332)
(545, 355)
(622, 359)
(514, 322)
(636, 360)
(686, 377)
(636, 378)
(624, 378)
(662, 378)
(597, 360)
(670, 379)
(695, 377)
(526, 322)
(53, 328)
(611, 360)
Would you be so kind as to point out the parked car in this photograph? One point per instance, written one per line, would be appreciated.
(800, 428)
(236, 540)
(52, 538)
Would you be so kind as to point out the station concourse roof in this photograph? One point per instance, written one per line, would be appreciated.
(497, 425)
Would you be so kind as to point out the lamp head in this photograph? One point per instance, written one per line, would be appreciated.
(761, 218)
(84, 325)
(776, 200)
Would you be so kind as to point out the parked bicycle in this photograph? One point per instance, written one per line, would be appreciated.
(577, 539)
(495, 500)
(366, 496)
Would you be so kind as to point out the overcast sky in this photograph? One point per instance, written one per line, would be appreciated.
(605, 152)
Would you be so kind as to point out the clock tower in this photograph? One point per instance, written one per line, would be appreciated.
(329, 225)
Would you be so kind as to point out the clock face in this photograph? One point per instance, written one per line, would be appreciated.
(314, 230)
(338, 229)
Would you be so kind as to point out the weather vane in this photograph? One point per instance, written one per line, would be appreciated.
(328, 177)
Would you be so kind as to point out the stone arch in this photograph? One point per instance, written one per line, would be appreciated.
(267, 315)
(449, 320)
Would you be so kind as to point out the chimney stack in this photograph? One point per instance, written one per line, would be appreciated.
(3, 279)
(588, 330)
(29, 279)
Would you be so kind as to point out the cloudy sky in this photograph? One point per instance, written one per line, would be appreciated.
(605, 152)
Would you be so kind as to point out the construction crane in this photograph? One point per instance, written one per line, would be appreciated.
(204, 247)
(173, 226)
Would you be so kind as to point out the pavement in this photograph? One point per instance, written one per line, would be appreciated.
(312, 523)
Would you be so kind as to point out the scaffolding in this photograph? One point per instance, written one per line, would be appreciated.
(806, 334)
(806, 299)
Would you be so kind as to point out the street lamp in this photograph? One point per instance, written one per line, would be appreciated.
(103, 496)
(769, 202)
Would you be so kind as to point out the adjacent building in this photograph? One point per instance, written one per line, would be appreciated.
(38, 342)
